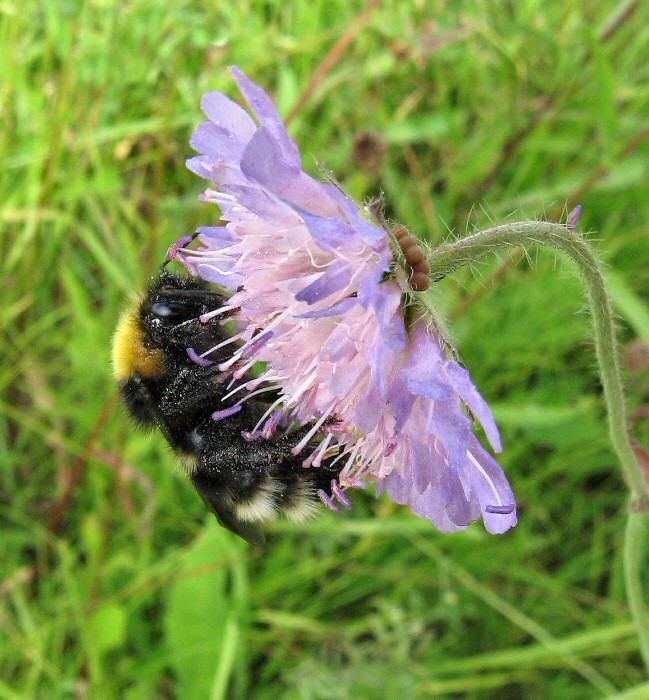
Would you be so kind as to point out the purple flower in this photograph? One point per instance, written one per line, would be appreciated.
(316, 298)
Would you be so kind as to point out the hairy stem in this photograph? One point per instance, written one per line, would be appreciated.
(451, 256)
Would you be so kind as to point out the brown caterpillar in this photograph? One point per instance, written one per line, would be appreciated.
(415, 257)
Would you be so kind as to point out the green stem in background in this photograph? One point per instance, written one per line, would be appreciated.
(451, 256)
(634, 554)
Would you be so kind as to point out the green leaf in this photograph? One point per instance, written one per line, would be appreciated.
(629, 305)
(601, 96)
(108, 626)
(198, 624)
(425, 128)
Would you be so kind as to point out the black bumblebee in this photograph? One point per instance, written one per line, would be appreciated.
(243, 482)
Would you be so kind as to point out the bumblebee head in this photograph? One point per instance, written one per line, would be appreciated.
(152, 337)
(169, 314)
(159, 325)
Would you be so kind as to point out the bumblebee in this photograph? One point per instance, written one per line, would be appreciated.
(164, 384)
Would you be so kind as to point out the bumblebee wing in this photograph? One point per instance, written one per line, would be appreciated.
(224, 511)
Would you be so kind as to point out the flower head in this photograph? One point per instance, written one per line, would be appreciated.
(315, 297)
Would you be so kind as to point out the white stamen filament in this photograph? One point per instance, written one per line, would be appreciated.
(349, 449)
(345, 471)
(300, 445)
(218, 270)
(268, 412)
(234, 391)
(229, 341)
(204, 318)
(233, 360)
(253, 393)
(207, 252)
(274, 323)
(318, 453)
(364, 464)
(313, 262)
(242, 370)
(306, 384)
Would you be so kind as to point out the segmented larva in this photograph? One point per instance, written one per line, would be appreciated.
(415, 257)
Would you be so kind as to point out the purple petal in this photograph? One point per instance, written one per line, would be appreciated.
(424, 467)
(228, 115)
(398, 487)
(492, 489)
(338, 309)
(401, 402)
(259, 202)
(341, 378)
(573, 218)
(369, 233)
(429, 504)
(336, 277)
(425, 386)
(215, 142)
(200, 165)
(332, 235)
(452, 429)
(438, 492)
(387, 306)
(268, 116)
(373, 235)
(424, 380)
(370, 283)
(216, 237)
(220, 275)
(462, 384)
(339, 346)
(421, 374)
(225, 172)
(264, 163)
(369, 409)
(459, 508)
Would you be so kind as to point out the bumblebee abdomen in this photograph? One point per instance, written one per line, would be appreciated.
(302, 502)
(272, 497)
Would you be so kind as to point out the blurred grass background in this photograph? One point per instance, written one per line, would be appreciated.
(114, 582)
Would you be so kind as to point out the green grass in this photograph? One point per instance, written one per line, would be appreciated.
(114, 581)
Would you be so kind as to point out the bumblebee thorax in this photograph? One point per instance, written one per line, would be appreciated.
(131, 354)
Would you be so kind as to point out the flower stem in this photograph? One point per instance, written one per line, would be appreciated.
(451, 256)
